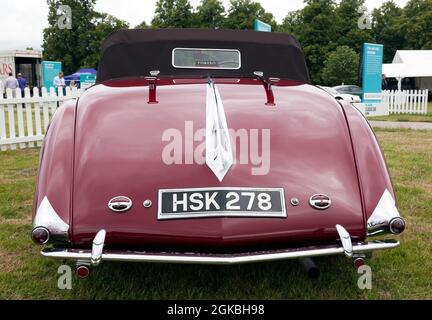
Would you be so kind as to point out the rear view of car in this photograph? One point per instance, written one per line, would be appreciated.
(209, 146)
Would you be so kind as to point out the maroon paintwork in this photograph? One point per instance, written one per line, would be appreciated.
(110, 144)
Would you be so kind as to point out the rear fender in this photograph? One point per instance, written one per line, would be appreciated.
(373, 174)
(55, 174)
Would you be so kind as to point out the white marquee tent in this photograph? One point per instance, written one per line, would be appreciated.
(411, 64)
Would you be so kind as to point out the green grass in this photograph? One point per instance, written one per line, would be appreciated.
(406, 117)
(403, 273)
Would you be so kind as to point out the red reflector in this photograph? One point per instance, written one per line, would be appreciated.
(359, 262)
(82, 272)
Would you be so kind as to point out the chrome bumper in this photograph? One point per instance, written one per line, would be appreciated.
(85, 256)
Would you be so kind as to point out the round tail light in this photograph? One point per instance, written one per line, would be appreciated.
(82, 272)
(359, 262)
(397, 225)
(40, 235)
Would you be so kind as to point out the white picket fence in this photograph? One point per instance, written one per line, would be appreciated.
(24, 120)
(406, 101)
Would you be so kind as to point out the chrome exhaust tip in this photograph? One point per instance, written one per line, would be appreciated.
(310, 268)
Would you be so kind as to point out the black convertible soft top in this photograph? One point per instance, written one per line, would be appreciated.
(136, 52)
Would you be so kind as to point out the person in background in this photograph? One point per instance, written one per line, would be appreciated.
(60, 83)
(11, 83)
(72, 85)
(22, 83)
(384, 83)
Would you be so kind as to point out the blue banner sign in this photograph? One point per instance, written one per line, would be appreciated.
(372, 73)
(262, 26)
(87, 80)
(50, 70)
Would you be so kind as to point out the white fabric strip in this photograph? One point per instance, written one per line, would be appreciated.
(219, 157)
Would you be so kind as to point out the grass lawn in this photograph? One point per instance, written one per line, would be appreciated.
(403, 273)
(407, 117)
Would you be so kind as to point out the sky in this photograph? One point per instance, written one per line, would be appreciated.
(22, 22)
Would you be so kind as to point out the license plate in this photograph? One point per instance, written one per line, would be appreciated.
(221, 202)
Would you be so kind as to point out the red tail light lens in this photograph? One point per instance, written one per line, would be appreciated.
(359, 262)
(40, 235)
(82, 272)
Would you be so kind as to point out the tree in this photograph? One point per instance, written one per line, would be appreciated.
(341, 66)
(417, 24)
(210, 14)
(388, 29)
(317, 33)
(291, 22)
(347, 15)
(142, 25)
(242, 14)
(104, 25)
(173, 14)
(70, 46)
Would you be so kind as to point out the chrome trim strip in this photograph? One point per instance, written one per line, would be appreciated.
(219, 259)
(48, 218)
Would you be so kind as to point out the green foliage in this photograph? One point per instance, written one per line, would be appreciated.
(71, 46)
(291, 22)
(314, 27)
(347, 15)
(173, 14)
(321, 27)
(403, 28)
(142, 25)
(242, 14)
(388, 29)
(80, 46)
(210, 14)
(104, 25)
(341, 66)
(417, 24)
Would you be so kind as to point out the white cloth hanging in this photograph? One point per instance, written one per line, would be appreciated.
(219, 155)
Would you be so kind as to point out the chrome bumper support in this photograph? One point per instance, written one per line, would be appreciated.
(219, 259)
(345, 238)
(97, 248)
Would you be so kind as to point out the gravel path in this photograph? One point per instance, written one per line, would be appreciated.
(402, 125)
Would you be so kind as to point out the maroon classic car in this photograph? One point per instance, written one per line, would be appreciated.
(209, 146)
